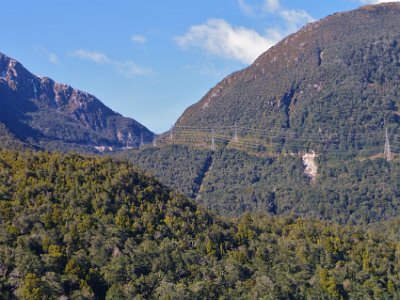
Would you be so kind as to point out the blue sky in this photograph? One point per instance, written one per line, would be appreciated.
(149, 60)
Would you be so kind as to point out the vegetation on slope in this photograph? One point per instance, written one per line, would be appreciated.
(178, 166)
(331, 88)
(94, 228)
(345, 191)
(333, 85)
(8, 140)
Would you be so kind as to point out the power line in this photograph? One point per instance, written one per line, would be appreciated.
(281, 140)
(282, 132)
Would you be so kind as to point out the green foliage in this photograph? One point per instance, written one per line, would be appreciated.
(232, 182)
(31, 288)
(95, 228)
(178, 166)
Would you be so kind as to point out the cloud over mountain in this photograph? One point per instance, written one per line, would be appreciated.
(127, 68)
(218, 37)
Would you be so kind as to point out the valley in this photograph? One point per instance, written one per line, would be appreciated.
(90, 227)
(281, 182)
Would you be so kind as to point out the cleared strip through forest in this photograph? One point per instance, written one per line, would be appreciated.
(275, 142)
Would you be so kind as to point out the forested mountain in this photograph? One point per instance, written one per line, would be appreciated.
(332, 86)
(38, 111)
(75, 227)
(288, 151)
(324, 98)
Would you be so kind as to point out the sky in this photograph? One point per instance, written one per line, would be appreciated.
(149, 60)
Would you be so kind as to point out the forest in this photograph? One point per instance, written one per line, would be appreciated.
(90, 227)
(232, 182)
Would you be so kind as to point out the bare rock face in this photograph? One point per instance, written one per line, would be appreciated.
(311, 167)
(53, 115)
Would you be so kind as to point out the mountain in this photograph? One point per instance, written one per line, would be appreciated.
(302, 131)
(89, 227)
(45, 114)
(330, 87)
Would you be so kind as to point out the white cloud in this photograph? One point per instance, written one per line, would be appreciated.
(139, 39)
(53, 58)
(131, 70)
(94, 56)
(218, 37)
(126, 68)
(50, 56)
(246, 8)
(271, 6)
(294, 19)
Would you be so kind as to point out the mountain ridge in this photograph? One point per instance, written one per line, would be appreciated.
(328, 93)
(81, 119)
(336, 74)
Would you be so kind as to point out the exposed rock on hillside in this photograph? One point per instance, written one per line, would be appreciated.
(52, 115)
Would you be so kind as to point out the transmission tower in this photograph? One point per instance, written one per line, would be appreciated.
(235, 136)
(154, 141)
(387, 152)
(171, 134)
(141, 141)
(213, 141)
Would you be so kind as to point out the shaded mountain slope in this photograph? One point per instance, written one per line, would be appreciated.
(9, 141)
(179, 167)
(345, 191)
(55, 116)
(332, 86)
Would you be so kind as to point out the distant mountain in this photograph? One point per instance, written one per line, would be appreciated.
(332, 86)
(302, 130)
(40, 112)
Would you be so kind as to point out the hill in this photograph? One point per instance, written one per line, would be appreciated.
(330, 87)
(94, 228)
(302, 130)
(232, 182)
(54, 116)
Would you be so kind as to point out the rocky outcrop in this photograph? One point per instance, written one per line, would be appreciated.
(41, 111)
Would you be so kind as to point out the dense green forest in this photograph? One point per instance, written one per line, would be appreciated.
(143, 223)
(95, 228)
(232, 182)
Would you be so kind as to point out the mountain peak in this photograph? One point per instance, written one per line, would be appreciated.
(333, 79)
(47, 113)
(381, 6)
